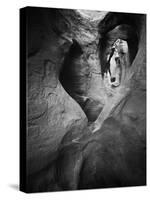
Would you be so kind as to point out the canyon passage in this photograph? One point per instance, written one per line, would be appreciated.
(86, 99)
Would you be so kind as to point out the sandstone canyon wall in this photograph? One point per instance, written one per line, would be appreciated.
(76, 123)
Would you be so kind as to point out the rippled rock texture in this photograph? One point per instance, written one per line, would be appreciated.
(82, 130)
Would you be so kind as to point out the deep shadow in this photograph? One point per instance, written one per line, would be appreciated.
(119, 26)
(74, 77)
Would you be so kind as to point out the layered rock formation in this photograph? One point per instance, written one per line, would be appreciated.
(77, 124)
(51, 110)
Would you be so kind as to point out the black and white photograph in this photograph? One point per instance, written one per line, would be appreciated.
(83, 86)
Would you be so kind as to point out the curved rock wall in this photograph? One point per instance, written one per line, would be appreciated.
(51, 111)
(66, 93)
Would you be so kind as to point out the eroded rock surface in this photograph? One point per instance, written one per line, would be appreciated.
(67, 96)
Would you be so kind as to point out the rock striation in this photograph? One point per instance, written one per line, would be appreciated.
(68, 98)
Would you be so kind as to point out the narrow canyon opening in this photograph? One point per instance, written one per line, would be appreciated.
(86, 95)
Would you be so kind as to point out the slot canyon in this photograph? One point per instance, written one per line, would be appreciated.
(86, 99)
